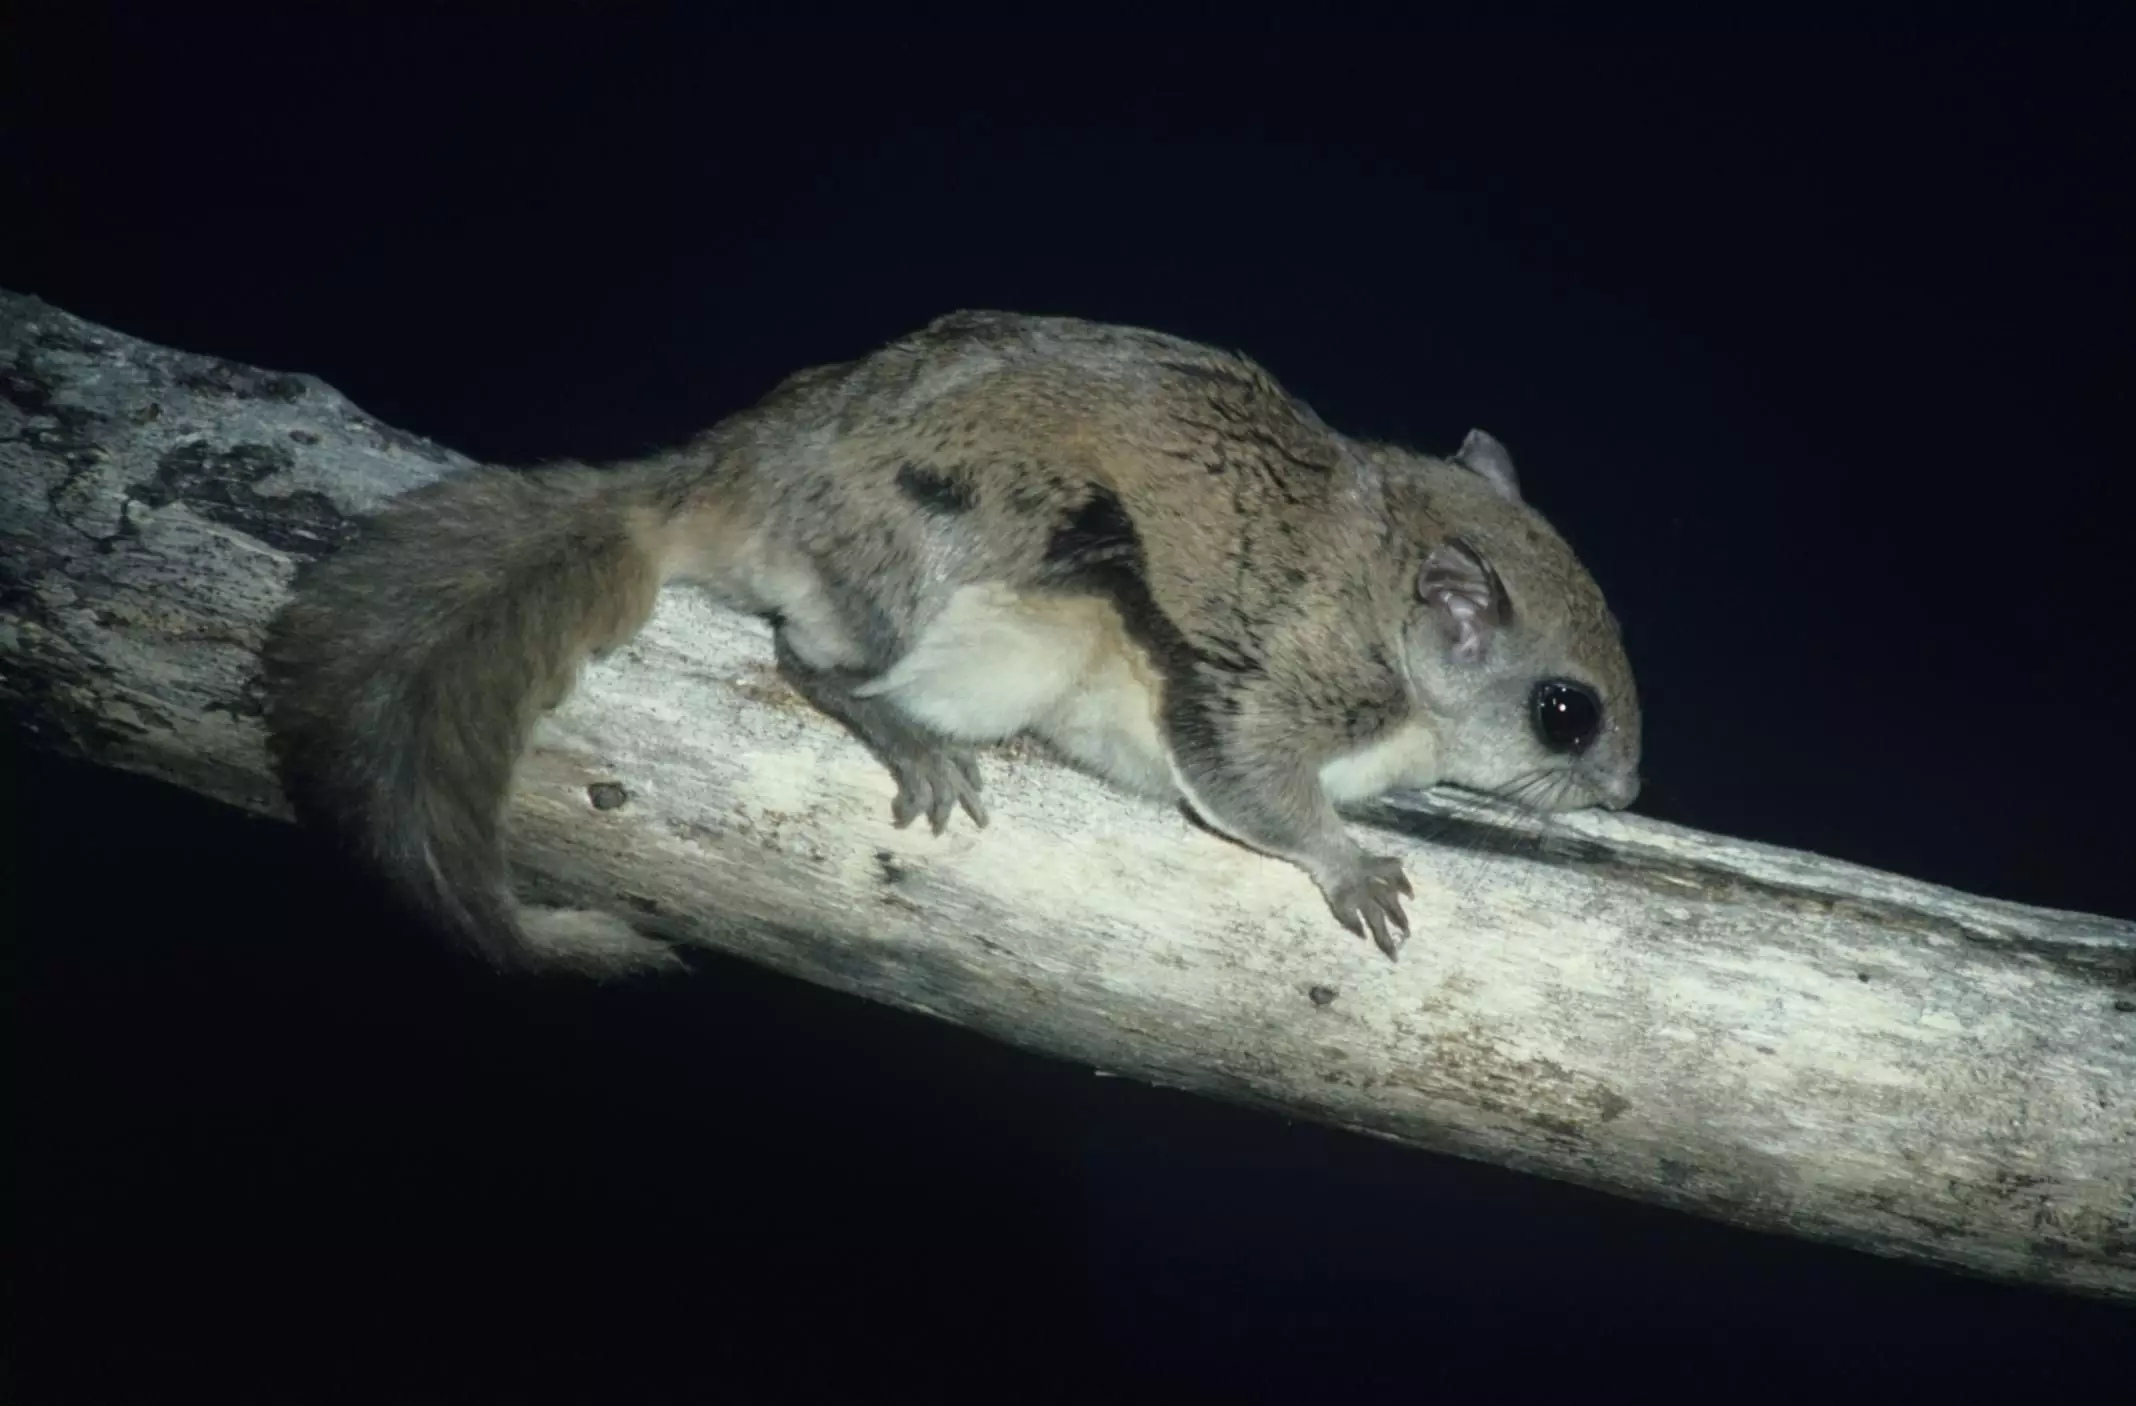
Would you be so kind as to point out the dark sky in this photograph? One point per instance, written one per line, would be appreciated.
(1815, 339)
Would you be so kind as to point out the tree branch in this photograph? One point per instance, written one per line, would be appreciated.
(1756, 1035)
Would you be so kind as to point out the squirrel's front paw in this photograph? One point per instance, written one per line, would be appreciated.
(1364, 892)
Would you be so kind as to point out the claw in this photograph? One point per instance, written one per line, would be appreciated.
(968, 792)
(1378, 925)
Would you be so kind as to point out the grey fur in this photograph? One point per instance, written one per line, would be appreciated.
(1140, 549)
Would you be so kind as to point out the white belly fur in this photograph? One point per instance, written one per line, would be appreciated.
(1406, 757)
(997, 662)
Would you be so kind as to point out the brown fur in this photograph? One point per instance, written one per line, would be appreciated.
(1140, 549)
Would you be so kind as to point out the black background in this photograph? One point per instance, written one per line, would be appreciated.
(1814, 337)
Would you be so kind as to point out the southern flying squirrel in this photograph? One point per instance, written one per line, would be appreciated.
(1141, 550)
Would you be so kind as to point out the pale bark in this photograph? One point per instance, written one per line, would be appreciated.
(1757, 1035)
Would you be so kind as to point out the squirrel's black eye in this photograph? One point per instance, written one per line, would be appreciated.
(1566, 716)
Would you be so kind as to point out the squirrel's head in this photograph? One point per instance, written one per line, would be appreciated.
(1507, 645)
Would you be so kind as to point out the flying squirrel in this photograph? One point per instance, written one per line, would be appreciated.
(1140, 550)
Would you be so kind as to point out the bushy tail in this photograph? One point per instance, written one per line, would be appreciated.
(407, 674)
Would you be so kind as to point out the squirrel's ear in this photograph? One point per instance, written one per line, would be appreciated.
(1459, 588)
(1489, 460)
